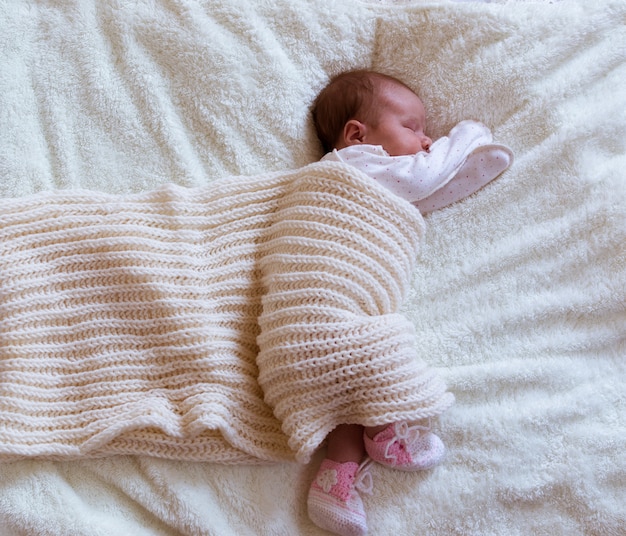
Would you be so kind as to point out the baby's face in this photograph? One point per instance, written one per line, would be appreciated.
(401, 123)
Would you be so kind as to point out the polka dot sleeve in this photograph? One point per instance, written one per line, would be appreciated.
(417, 176)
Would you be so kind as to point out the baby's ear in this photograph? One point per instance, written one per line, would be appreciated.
(353, 132)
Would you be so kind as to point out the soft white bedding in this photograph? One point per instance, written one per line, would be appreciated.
(519, 295)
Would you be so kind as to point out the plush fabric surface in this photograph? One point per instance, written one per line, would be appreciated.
(518, 296)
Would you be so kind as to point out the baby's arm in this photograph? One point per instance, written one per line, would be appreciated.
(482, 166)
(456, 166)
(415, 177)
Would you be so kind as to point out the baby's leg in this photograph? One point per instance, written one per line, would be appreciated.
(345, 444)
(399, 445)
(334, 502)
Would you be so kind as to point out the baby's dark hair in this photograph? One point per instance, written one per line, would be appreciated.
(347, 95)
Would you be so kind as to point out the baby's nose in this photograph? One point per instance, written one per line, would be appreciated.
(426, 143)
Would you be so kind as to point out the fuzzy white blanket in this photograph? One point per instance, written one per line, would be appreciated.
(518, 297)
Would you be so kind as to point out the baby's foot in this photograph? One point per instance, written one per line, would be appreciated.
(404, 447)
(334, 502)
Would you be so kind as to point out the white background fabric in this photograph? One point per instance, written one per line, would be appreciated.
(519, 295)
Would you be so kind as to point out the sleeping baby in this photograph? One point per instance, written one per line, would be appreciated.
(377, 124)
(174, 291)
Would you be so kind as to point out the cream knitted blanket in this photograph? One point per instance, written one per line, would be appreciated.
(130, 324)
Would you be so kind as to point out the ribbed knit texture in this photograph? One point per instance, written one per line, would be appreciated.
(334, 348)
(129, 324)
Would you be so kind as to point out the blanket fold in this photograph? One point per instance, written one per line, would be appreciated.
(129, 324)
(334, 349)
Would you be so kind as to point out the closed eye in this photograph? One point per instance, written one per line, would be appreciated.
(415, 126)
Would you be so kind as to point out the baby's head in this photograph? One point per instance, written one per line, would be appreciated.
(366, 107)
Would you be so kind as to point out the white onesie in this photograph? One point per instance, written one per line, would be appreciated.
(456, 166)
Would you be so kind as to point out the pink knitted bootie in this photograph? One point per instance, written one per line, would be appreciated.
(334, 502)
(404, 447)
